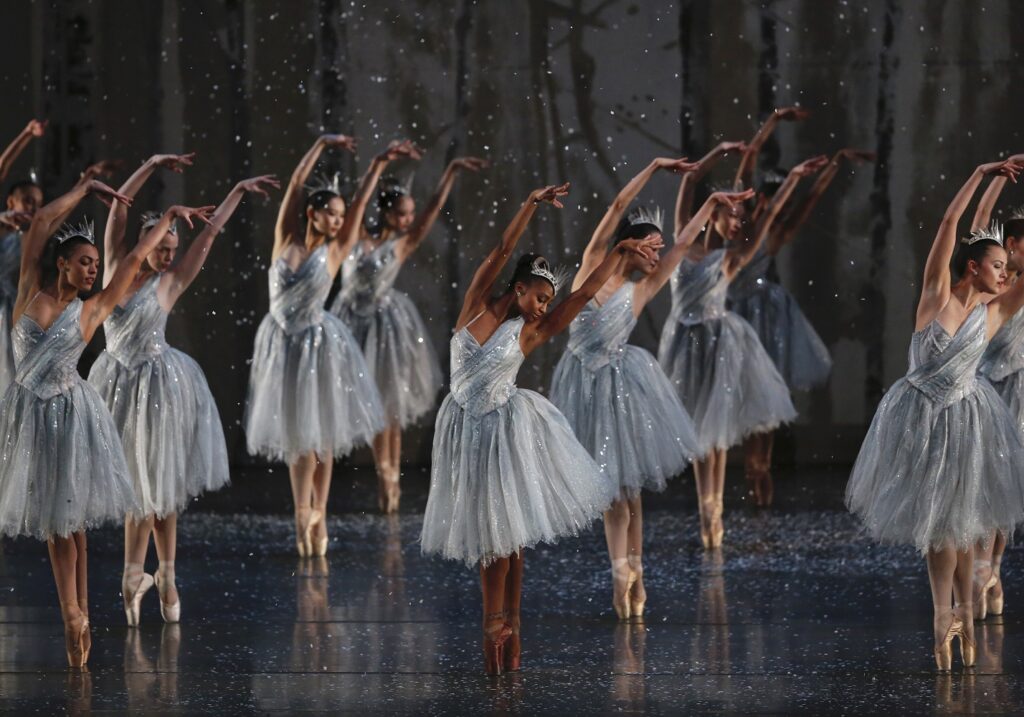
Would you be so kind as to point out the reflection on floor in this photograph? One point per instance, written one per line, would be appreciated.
(797, 614)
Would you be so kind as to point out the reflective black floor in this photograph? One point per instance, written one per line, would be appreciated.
(797, 614)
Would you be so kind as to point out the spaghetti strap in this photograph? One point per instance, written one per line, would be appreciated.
(473, 320)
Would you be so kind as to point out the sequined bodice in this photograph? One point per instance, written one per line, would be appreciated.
(367, 277)
(10, 266)
(599, 333)
(135, 332)
(1005, 352)
(48, 360)
(944, 367)
(751, 277)
(297, 297)
(484, 377)
(699, 289)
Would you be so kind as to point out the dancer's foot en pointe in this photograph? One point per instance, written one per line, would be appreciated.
(761, 488)
(170, 603)
(76, 634)
(712, 529)
(622, 584)
(496, 634)
(135, 582)
(319, 538)
(389, 491)
(513, 647)
(949, 625)
(305, 520)
(988, 590)
(637, 593)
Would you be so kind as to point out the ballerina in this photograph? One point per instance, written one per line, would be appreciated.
(1003, 366)
(158, 396)
(789, 338)
(64, 469)
(507, 471)
(385, 322)
(939, 466)
(713, 357)
(615, 397)
(311, 398)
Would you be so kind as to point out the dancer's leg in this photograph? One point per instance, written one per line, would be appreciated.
(703, 479)
(82, 581)
(616, 533)
(513, 599)
(134, 580)
(638, 595)
(387, 446)
(300, 471)
(941, 569)
(64, 562)
(493, 577)
(165, 537)
(321, 492)
(963, 578)
(716, 527)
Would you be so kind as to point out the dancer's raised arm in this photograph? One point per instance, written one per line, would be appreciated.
(288, 227)
(983, 214)
(482, 284)
(936, 283)
(745, 172)
(424, 222)
(182, 275)
(34, 129)
(785, 230)
(558, 320)
(688, 185)
(114, 245)
(43, 227)
(597, 248)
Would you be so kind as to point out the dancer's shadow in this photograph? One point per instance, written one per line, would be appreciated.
(628, 684)
(147, 682)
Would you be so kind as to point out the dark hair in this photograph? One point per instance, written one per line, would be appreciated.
(1013, 228)
(971, 252)
(389, 193)
(633, 231)
(22, 184)
(319, 199)
(523, 273)
(58, 250)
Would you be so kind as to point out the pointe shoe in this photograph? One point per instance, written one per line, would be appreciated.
(968, 649)
(622, 582)
(133, 601)
(981, 602)
(76, 631)
(495, 637)
(995, 597)
(637, 595)
(513, 647)
(171, 613)
(390, 494)
(303, 534)
(944, 650)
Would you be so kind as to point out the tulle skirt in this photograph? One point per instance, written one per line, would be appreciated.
(62, 469)
(399, 354)
(309, 391)
(627, 416)
(794, 346)
(6, 346)
(1011, 390)
(930, 475)
(725, 379)
(507, 480)
(170, 428)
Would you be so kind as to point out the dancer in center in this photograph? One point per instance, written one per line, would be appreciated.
(939, 468)
(507, 471)
(721, 371)
(385, 321)
(615, 396)
(311, 395)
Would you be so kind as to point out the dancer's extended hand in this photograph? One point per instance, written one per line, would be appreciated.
(107, 195)
(340, 141)
(187, 214)
(15, 220)
(792, 114)
(103, 168)
(857, 156)
(732, 199)
(260, 185)
(174, 162)
(473, 164)
(550, 194)
(36, 128)
(401, 148)
(1009, 168)
(810, 166)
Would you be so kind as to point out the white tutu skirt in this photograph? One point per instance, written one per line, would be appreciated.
(794, 346)
(507, 480)
(726, 381)
(400, 356)
(628, 417)
(930, 475)
(309, 392)
(170, 428)
(1011, 390)
(62, 469)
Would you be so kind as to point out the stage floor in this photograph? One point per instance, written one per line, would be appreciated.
(797, 614)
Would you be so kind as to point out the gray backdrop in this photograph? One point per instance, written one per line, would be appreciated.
(586, 91)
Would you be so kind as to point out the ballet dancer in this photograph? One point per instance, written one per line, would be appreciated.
(507, 471)
(386, 323)
(939, 466)
(311, 398)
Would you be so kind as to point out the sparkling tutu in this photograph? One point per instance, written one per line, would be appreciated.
(1003, 365)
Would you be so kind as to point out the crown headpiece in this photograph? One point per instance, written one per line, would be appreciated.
(70, 231)
(557, 276)
(725, 185)
(645, 215)
(772, 176)
(401, 186)
(1018, 213)
(325, 183)
(151, 219)
(993, 233)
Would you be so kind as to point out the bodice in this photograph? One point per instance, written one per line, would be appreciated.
(1004, 354)
(598, 333)
(48, 360)
(751, 277)
(136, 332)
(297, 297)
(367, 277)
(699, 289)
(944, 367)
(484, 377)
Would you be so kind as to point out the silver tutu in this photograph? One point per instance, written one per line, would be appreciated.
(794, 346)
(309, 387)
(940, 464)
(62, 469)
(619, 402)
(10, 265)
(1003, 365)
(394, 340)
(159, 399)
(507, 471)
(716, 363)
